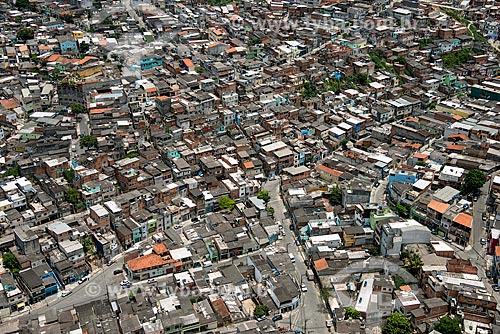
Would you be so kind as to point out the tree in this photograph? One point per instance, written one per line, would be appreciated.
(374, 251)
(401, 210)
(260, 310)
(84, 47)
(77, 108)
(132, 154)
(335, 196)
(397, 324)
(270, 210)
(198, 69)
(264, 195)
(69, 175)
(473, 180)
(88, 141)
(344, 144)
(22, 4)
(72, 195)
(10, 261)
(25, 33)
(309, 90)
(13, 171)
(352, 313)
(447, 325)
(226, 203)
(413, 263)
(88, 246)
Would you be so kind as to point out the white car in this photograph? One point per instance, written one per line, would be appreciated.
(83, 280)
(125, 283)
(152, 280)
(65, 293)
(303, 287)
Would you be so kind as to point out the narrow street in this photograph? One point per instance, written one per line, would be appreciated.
(313, 317)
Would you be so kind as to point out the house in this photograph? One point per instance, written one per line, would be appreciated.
(148, 266)
(284, 292)
(67, 44)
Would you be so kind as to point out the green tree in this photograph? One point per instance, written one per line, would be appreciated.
(473, 180)
(344, 144)
(351, 312)
(264, 195)
(401, 210)
(77, 108)
(72, 195)
(84, 47)
(226, 203)
(25, 33)
(133, 154)
(397, 324)
(69, 175)
(88, 246)
(335, 196)
(413, 263)
(447, 325)
(198, 69)
(374, 251)
(88, 141)
(398, 281)
(22, 4)
(12, 171)
(10, 261)
(309, 90)
(270, 210)
(260, 310)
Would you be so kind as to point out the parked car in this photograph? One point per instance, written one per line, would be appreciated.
(303, 287)
(117, 271)
(277, 317)
(83, 280)
(152, 280)
(484, 216)
(496, 288)
(483, 241)
(474, 199)
(110, 263)
(65, 293)
(125, 283)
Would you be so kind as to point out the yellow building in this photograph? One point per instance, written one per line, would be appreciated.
(77, 34)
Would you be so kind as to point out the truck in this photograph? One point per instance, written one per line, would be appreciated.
(292, 258)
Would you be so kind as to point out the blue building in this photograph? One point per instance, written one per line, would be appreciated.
(148, 62)
(402, 176)
(67, 44)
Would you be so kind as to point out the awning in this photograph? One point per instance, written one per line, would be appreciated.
(21, 305)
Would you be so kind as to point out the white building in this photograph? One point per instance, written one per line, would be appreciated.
(393, 236)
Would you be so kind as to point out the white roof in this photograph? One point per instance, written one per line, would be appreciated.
(180, 253)
(422, 184)
(364, 296)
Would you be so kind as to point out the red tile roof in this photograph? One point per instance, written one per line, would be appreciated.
(160, 249)
(329, 170)
(463, 219)
(438, 206)
(146, 262)
(9, 104)
(220, 308)
(321, 264)
(188, 62)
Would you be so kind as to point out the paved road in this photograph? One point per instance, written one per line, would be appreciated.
(312, 309)
(378, 194)
(478, 225)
